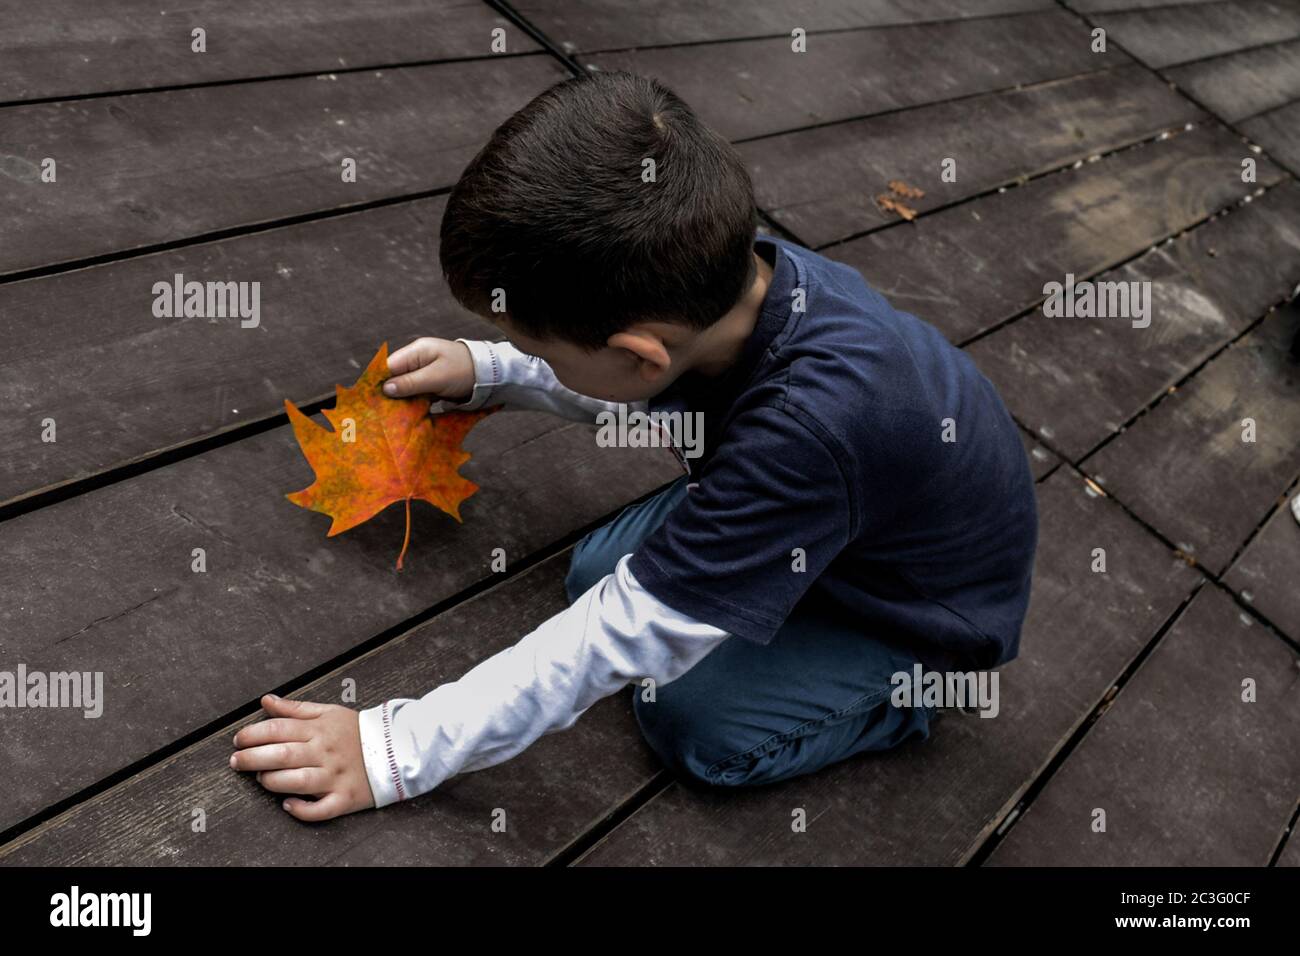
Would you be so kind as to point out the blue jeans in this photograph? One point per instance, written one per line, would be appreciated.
(753, 714)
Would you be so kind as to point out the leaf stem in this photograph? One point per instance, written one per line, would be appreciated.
(407, 539)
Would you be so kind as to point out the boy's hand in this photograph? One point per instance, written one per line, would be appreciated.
(437, 367)
(307, 748)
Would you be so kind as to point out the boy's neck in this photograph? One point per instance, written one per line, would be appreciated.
(721, 345)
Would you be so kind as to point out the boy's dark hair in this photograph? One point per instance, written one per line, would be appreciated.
(555, 212)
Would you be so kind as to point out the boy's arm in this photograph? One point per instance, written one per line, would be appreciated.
(505, 375)
(614, 633)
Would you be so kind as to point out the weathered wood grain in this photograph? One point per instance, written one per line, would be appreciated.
(1243, 84)
(1278, 132)
(1176, 34)
(592, 25)
(822, 183)
(70, 48)
(936, 802)
(331, 292)
(1041, 460)
(1267, 574)
(1187, 773)
(1184, 466)
(758, 87)
(147, 819)
(1076, 381)
(137, 170)
(967, 268)
(103, 582)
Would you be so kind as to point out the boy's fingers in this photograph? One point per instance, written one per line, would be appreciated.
(310, 780)
(418, 382)
(314, 811)
(283, 707)
(272, 757)
(275, 730)
(411, 357)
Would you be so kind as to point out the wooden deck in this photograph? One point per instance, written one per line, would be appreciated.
(225, 165)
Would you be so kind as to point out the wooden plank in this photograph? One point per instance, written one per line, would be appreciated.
(1041, 461)
(822, 183)
(146, 820)
(967, 268)
(1075, 381)
(1266, 573)
(1187, 773)
(1184, 466)
(758, 87)
(1082, 630)
(1177, 34)
(103, 583)
(1278, 132)
(1242, 84)
(136, 170)
(331, 291)
(66, 48)
(593, 25)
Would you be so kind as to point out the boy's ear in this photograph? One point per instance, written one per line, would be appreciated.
(647, 348)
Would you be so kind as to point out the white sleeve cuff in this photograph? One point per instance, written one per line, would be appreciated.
(503, 375)
(487, 376)
(377, 751)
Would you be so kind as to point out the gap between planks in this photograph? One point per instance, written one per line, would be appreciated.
(550, 46)
(570, 854)
(244, 81)
(1288, 834)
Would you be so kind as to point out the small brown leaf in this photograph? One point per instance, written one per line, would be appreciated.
(903, 189)
(890, 204)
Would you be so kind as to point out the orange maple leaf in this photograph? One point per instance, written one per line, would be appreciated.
(382, 450)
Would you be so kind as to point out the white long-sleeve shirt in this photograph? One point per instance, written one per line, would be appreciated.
(614, 633)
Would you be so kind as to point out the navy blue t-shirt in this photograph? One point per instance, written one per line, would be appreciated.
(853, 458)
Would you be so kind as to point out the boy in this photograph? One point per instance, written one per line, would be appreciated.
(862, 503)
